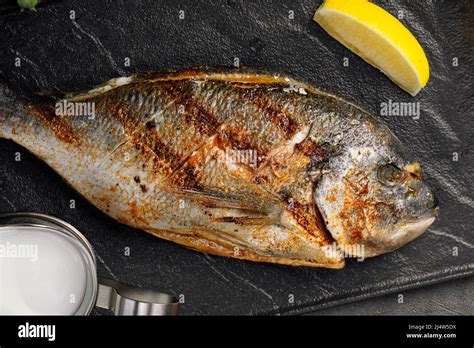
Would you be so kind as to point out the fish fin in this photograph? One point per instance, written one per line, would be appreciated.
(243, 75)
(203, 240)
(100, 89)
(219, 200)
(248, 220)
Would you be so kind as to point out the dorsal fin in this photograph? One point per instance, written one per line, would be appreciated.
(103, 88)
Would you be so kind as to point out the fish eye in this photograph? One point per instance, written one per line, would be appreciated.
(389, 174)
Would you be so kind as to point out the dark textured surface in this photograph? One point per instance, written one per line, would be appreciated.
(455, 297)
(58, 53)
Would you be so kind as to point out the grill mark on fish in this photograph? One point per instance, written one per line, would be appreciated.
(56, 123)
(287, 125)
(232, 133)
(194, 113)
(143, 140)
(239, 140)
(307, 218)
(202, 117)
(177, 169)
(147, 141)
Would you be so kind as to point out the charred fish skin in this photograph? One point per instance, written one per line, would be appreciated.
(244, 165)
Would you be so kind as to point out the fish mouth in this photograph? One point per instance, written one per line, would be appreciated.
(411, 229)
(404, 232)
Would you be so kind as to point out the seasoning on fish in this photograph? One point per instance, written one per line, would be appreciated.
(235, 163)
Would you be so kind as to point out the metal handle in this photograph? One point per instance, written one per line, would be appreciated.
(126, 300)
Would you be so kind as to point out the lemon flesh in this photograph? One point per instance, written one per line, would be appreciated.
(377, 37)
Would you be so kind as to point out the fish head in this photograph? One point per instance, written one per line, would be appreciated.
(373, 197)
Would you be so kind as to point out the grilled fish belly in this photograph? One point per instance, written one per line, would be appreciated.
(224, 163)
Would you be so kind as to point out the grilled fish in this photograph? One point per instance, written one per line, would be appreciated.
(240, 164)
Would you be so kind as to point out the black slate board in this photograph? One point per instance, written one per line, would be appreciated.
(60, 54)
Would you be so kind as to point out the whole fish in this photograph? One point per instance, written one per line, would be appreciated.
(240, 164)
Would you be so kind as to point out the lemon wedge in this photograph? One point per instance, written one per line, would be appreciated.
(377, 37)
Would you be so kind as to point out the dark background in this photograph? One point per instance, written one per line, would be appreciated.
(60, 54)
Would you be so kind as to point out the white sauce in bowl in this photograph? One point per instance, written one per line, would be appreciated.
(42, 271)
